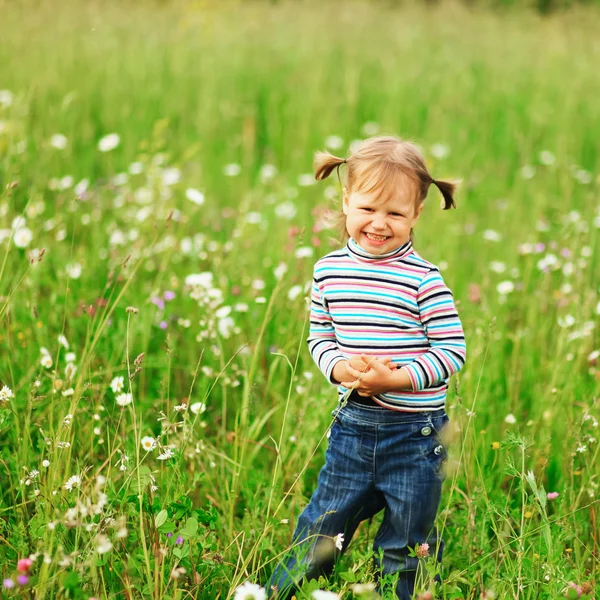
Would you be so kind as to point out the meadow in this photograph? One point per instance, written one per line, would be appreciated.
(162, 424)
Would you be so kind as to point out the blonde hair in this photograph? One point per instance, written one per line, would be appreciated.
(381, 165)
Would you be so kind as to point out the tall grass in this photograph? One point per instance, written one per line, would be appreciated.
(197, 92)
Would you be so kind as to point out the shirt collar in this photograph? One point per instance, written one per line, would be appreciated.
(361, 255)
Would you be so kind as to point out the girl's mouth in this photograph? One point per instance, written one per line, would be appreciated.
(376, 239)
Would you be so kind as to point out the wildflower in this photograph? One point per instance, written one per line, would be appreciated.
(439, 151)
(63, 341)
(491, 236)
(510, 419)
(198, 408)
(363, 588)
(232, 170)
(495, 445)
(338, 540)
(45, 463)
(168, 295)
(24, 564)
(104, 544)
(117, 384)
(70, 371)
(124, 399)
(177, 572)
(250, 591)
(324, 595)
(267, 172)
(5, 394)
(46, 361)
(168, 453)
(132, 310)
(22, 579)
(505, 287)
(180, 407)
(109, 142)
(8, 583)
(294, 292)
(552, 495)
(304, 252)
(179, 540)
(23, 237)
(573, 586)
(72, 482)
(306, 179)
(68, 392)
(73, 270)
(59, 141)
(422, 550)
(148, 443)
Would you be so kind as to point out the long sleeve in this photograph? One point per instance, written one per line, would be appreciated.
(448, 351)
(322, 343)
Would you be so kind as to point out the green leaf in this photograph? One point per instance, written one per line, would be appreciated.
(160, 518)
(190, 529)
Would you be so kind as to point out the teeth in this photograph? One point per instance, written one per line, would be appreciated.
(377, 238)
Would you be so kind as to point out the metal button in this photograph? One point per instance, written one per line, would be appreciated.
(426, 430)
(438, 450)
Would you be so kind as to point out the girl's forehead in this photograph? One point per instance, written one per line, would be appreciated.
(401, 198)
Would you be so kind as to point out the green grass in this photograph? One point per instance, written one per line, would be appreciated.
(202, 85)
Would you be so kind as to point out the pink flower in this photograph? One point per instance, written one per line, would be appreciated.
(422, 550)
(169, 295)
(24, 565)
(575, 587)
(163, 325)
(552, 495)
(22, 579)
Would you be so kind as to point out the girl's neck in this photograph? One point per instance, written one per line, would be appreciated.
(362, 255)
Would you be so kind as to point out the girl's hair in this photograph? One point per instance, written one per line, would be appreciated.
(381, 165)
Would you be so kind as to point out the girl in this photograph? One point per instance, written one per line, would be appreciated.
(377, 296)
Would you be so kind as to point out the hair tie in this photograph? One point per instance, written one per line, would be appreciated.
(433, 181)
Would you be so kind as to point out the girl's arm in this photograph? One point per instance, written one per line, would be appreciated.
(448, 351)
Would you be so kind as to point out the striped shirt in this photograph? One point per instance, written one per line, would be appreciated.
(395, 305)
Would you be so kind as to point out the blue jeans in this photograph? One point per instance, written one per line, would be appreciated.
(377, 459)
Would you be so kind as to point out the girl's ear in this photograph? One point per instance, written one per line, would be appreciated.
(345, 202)
(418, 211)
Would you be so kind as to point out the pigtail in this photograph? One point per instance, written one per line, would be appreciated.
(324, 163)
(447, 189)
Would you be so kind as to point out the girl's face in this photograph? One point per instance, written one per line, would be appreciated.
(379, 227)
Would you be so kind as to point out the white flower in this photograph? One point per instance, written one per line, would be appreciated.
(68, 392)
(171, 176)
(363, 588)
(72, 482)
(81, 187)
(491, 236)
(180, 407)
(267, 172)
(338, 540)
(109, 142)
(547, 158)
(195, 196)
(226, 326)
(46, 361)
(304, 252)
(240, 307)
(566, 321)
(73, 270)
(324, 595)
(124, 399)
(528, 172)
(497, 266)
(23, 237)
(6, 98)
(370, 128)
(232, 170)
(440, 151)
(148, 443)
(250, 591)
(168, 453)
(63, 341)
(117, 384)
(294, 292)
(6, 394)
(45, 463)
(510, 419)
(280, 270)
(505, 287)
(306, 179)
(104, 545)
(198, 408)
(286, 210)
(204, 280)
(18, 222)
(59, 141)
(335, 142)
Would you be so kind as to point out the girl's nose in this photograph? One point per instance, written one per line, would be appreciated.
(378, 222)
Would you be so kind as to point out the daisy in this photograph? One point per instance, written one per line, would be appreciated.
(168, 453)
(6, 394)
(124, 399)
(109, 142)
(117, 384)
(72, 482)
(148, 443)
(250, 591)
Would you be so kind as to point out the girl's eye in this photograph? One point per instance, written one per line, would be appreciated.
(367, 209)
(396, 214)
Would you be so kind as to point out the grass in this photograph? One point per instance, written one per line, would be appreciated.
(505, 101)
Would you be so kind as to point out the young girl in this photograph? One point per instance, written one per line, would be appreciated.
(383, 328)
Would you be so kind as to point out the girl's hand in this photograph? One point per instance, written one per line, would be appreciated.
(377, 379)
(361, 365)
